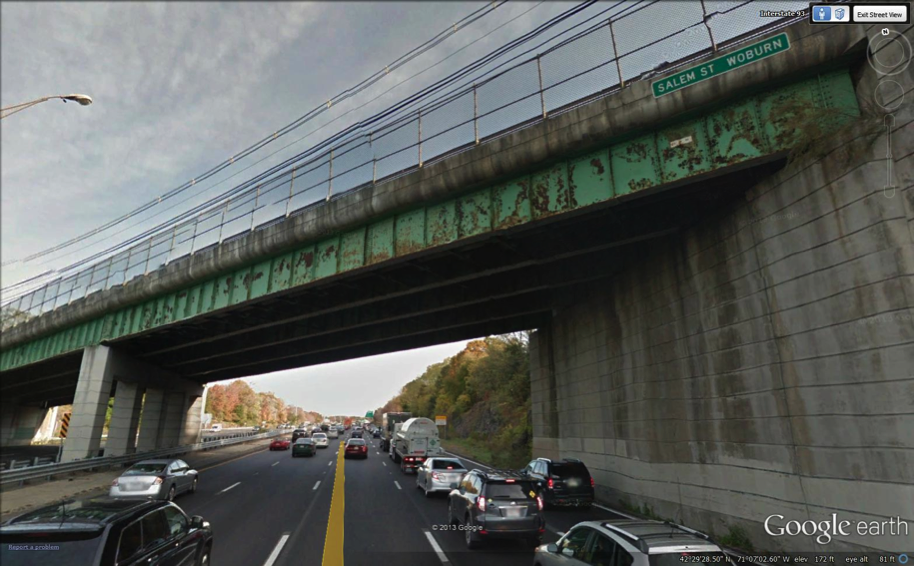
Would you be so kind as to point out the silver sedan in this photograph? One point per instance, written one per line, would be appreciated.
(439, 474)
(159, 479)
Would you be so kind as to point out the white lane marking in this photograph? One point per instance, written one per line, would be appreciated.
(329, 463)
(317, 484)
(276, 550)
(228, 488)
(559, 533)
(398, 485)
(385, 464)
(623, 514)
(466, 459)
(274, 464)
(438, 550)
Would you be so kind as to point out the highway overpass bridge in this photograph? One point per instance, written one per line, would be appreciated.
(720, 336)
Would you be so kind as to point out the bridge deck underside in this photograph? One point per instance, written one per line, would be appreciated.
(495, 283)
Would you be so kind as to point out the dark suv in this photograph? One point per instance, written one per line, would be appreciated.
(498, 504)
(106, 531)
(565, 482)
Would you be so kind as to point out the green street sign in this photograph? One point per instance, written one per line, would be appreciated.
(369, 414)
(743, 56)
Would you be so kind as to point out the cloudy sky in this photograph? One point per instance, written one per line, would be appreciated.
(179, 87)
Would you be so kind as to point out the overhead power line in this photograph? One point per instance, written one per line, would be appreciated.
(366, 83)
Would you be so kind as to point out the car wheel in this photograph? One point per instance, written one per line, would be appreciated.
(470, 536)
(194, 485)
(205, 558)
(171, 493)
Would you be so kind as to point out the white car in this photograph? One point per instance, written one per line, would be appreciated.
(320, 439)
(631, 542)
(332, 433)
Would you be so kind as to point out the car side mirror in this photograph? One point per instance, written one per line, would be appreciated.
(199, 523)
(552, 548)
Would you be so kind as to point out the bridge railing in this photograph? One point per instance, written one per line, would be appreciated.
(635, 41)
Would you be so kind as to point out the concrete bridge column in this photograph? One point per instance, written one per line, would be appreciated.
(101, 369)
(96, 378)
(125, 416)
(193, 417)
(172, 417)
(150, 420)
(19, 423)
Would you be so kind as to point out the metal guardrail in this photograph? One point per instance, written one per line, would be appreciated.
(26, 463)
(626, 45)
(20, 475)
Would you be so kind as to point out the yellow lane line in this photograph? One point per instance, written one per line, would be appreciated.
(333, 541)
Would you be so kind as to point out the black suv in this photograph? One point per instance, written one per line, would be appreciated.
(565, 482)
(298, 433)
(498, 504)
(106, 531)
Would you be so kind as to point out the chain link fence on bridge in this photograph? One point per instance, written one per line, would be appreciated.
(640, 40)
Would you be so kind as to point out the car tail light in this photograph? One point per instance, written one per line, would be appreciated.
(435, 476)
(549, 484)
(592, 482)
(481, 504)
(114, 482)
(539, 502)
(483, 532)
(159, 480)
(509, 480)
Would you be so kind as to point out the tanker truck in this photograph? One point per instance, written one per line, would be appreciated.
(415, 441)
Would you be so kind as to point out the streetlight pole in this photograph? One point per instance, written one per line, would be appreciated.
(83, 100)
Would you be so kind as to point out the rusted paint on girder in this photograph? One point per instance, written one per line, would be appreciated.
(474, 214)
(327, 252)
(380, 241)
(410, 232)
(635, 165)
(441, 225)
(512, 203)
(735, 135)
(589, 179)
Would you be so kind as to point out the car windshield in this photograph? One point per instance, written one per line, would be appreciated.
(692, 558)
(319, 436)
(304, 441)
(50, 548)
(565, 470)
(355, 443)
(144, 469)
(514, 490)
(445, 464)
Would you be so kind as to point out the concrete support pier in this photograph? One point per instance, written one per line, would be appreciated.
(161, 405)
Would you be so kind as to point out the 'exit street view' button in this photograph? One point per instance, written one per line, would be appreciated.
(880, 14)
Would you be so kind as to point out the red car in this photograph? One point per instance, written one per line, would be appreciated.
(279, 445)
(356, 448)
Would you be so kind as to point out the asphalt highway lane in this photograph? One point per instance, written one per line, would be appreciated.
(268, 508)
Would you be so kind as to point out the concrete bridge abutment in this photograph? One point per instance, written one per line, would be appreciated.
(19, 423)
(758, 363)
